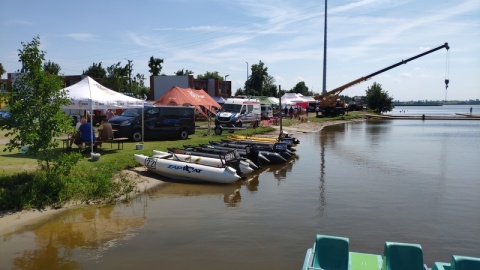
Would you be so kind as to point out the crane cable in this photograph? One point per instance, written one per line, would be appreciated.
(447, 72)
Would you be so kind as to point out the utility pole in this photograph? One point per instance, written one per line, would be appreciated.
(129, 74)
(324, 90)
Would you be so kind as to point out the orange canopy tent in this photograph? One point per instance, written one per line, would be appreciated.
(178, 96)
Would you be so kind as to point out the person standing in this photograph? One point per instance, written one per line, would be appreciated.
(75, 137)
(471, 109)
(110, 114)
(317, 109)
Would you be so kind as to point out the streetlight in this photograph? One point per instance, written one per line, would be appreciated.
(225, 83)
(246, 84)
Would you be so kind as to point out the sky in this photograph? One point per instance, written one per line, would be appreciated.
(229, 36)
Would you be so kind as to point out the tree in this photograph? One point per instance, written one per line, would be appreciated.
(240, 92)
(116, 78)
(378, 100)
(210, 75)
(300, 88)
(260, 83)
(35, 104)
(182, 72)
(155, 65)
(95, 71)
(51, 67)
(138, 86)
(2, 70)
(254, 84)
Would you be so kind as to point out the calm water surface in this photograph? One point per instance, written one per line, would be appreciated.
(375, 181)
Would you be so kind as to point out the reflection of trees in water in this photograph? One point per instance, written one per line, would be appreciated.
(47, 257)
(91, 229)
(376, 129)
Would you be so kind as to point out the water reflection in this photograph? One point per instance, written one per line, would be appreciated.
(89, 230)
(280, 171)
(323, 202)
(230, 194)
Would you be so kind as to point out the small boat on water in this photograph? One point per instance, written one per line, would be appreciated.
(272, 157)
(166, 165)
(332, 252)
(283, 137)
(212, 155)
(243, 167)
(251, 154)
(278, 147)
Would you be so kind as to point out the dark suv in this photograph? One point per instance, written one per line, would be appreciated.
(159, 122)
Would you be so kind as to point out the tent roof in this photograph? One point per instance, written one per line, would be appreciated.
(291, 98)
(265, 100)
(88, 94)
(187, 96)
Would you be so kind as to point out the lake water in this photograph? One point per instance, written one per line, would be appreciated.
(373, 181)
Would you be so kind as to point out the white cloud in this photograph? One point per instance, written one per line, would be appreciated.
(81, 36)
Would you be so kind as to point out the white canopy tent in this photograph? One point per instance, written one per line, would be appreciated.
(88, 94)
(289, 99)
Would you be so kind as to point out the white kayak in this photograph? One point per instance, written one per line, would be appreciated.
(176, 169)
(244, 167)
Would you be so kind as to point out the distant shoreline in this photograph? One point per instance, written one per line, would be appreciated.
(420, 105)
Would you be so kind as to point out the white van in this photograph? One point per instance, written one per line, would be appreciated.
(267, 111)
(238, 112)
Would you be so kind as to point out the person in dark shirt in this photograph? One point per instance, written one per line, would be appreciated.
(87, 134)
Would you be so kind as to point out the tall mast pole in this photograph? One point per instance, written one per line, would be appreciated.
(324, 89)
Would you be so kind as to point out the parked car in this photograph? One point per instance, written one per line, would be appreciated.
(159, 121)
(5, 114)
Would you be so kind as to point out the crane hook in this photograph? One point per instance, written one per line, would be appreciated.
(446, 83)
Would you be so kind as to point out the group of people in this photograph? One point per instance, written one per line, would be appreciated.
(293, 112)
(85, 134)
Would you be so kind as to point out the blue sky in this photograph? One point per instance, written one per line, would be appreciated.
(287, 36)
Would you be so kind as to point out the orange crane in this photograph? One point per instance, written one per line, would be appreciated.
(330, 104)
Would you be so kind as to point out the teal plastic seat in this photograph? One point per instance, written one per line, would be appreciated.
(331, 253)
(402, 256)
(459, 263)
(465, 263)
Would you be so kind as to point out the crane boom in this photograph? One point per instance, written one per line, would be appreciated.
(328, 99)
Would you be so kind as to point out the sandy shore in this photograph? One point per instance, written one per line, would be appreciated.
(12, 222)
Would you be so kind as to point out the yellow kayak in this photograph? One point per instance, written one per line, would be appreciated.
(250, 138)
(260, 139)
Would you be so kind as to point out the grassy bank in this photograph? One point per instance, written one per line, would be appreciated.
(22, 186)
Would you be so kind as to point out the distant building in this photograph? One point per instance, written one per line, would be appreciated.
(68, 80)
(159, 85)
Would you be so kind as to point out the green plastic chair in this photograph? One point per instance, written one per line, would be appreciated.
(331, 253)
(465, 263)
(402, 256)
